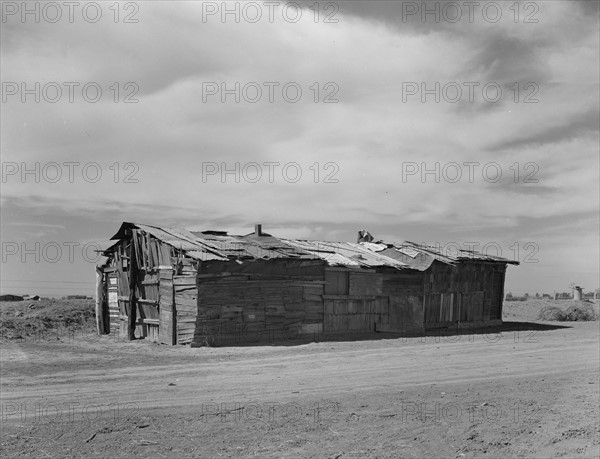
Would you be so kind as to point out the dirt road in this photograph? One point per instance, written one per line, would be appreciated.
(520, 393)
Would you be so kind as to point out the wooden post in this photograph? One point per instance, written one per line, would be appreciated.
(100, 325)
(167, 331)
(132, 316)
(502, 281)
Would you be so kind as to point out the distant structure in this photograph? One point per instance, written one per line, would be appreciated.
(11, 298)
(31, 297)
(177, 286)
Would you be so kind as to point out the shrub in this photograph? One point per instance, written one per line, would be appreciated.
(583, 312)
(516, 298)
(574, 313)
(552, 313)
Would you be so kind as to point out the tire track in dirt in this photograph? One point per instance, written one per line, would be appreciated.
(330, 372)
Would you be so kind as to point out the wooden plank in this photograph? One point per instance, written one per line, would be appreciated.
(340, 307)
(144, 301)
(183, 301)
(132, 309)
(100, 313)
(185, 280)
(365, 283)
(164, 255)
(186, 291)
(167, 334)
(183, 319)
(312, 297)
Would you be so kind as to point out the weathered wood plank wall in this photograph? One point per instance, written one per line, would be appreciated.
(186, 307)
(405, 292)
(468, 292)
(259, 301)
(149, 260)
(239, 309)
(113, 303)
(167, 317)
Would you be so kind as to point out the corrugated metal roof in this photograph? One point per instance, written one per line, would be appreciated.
(451, 253)
(176, 237)
(346, 253)
(215, 245)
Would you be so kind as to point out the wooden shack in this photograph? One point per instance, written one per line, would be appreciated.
(210, 288)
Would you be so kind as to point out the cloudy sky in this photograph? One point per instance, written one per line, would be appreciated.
(439, 123)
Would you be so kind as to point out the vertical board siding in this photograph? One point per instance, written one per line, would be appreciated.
(167, 332)
(364, 309)
(113, 303)
(186, 307)
(355, 315)
(406, 302)
(468, 292)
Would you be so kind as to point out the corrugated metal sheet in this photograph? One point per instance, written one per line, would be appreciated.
(203, 255)
(420, 261)
(452, 254)
(221, 246)
(346, 253)
(175, 237)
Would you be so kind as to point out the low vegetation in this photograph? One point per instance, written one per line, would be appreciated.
(581, 311)
(22, 319)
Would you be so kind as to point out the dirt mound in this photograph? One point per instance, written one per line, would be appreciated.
(29, 318)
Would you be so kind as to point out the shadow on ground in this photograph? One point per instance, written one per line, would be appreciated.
(493, 333)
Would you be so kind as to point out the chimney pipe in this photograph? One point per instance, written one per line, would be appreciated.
(258, 230)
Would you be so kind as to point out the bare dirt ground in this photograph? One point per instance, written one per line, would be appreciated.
(530, 390)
